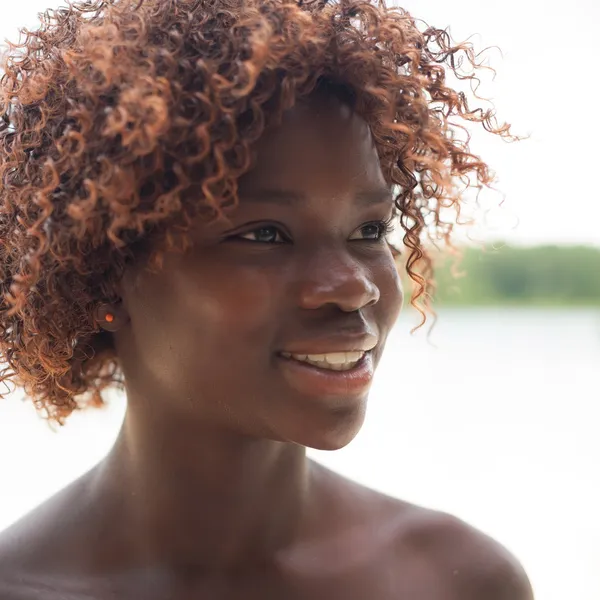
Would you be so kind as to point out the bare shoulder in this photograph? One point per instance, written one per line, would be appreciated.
(21, 558)
(421, 546)
(37, 546)
(473, 564)
(15, 569)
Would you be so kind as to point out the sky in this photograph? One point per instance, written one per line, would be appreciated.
(545, 87)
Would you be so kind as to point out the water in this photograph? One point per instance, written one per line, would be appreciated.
(496, 424)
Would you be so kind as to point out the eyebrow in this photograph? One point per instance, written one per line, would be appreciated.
(287, 197)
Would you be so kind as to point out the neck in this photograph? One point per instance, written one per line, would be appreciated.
(185, 495)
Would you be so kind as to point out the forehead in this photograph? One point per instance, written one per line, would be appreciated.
(321, 142)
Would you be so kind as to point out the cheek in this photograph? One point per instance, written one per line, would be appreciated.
(390, 287)
(240, 304)
(184, 324)
(221, 307)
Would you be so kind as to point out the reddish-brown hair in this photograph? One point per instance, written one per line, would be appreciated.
(124, 120)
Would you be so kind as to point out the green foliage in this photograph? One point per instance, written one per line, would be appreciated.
(508, 275)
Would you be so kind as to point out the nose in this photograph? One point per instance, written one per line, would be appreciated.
(337, 279)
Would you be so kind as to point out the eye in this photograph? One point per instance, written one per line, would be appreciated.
(373, 231)
(268, 234)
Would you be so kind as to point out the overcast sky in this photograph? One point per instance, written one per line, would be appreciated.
(546, 86)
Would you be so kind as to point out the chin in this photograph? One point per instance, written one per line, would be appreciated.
(333, 432)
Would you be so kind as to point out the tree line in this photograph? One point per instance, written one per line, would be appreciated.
(508, 275)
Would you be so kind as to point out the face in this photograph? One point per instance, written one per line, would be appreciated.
(272, 324)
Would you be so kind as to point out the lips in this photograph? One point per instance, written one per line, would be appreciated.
(326, 383)
(338, 365)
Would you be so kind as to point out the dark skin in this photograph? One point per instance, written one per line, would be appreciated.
(207, 492)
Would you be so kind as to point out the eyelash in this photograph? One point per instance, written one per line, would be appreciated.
(386, 227)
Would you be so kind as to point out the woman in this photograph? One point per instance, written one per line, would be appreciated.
(195, 202)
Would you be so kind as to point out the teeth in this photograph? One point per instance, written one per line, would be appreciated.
(335, 361)
(336, 358)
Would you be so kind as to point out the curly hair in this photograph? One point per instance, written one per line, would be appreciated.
(125, 120)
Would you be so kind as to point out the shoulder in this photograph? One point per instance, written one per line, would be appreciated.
(40, 545)
(421, 545)
(473, 564)
(20, 549)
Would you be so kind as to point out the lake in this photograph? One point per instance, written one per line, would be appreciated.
(494, 419)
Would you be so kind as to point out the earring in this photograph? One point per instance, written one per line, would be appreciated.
(106, 316)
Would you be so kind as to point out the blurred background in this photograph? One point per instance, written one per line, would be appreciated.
(494, 416)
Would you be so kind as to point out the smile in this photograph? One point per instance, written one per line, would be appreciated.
(332, 361)
(339, 375)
